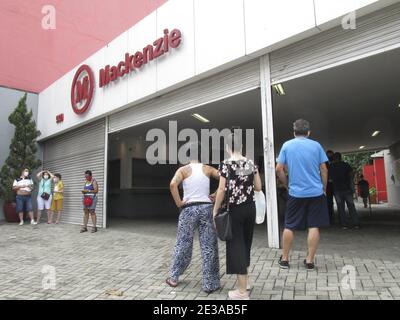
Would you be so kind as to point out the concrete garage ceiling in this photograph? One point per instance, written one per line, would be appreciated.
(242, 111)
(346, 104)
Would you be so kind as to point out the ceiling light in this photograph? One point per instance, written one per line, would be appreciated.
(279, 89)
(362, 147)
(375, 133)
(200, 118)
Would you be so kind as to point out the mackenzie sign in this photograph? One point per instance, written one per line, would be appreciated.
(140, 58)
(83, 83)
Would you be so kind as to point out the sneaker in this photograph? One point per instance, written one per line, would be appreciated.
(283, 264)
(309, 266)
(248, 288)
(356, 227)
(21, 223)
(236, 295)
(33, 222)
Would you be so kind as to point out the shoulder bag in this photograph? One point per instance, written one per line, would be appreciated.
(223, 221)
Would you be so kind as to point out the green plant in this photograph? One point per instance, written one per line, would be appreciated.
(358, 160)
(372, 191)
(23, 149)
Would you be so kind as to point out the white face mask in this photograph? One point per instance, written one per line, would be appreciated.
(26, 173)
(46, 177)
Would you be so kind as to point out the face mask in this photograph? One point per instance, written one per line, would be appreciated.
(55, 180)
(26, 173)
(46, 177)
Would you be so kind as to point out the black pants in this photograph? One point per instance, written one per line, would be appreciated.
(238, 249)
(343, 198)
(329, 198)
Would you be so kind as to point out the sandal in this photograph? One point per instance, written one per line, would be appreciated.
(309, 265)
(94, 230)
(171, 283)
(209, 291)
(84, 229)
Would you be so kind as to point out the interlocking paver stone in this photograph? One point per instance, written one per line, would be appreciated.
(133, 257)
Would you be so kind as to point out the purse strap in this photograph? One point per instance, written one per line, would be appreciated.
(227, 186)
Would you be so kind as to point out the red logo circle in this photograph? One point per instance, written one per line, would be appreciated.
(82, 89)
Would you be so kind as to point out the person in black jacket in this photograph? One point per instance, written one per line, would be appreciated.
(363, 186)
(341, 174)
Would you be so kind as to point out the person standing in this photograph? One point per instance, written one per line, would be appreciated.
(44, 197)
(329, 188)
(196, 214)
(58, 198)
(305, 161)
(239, 179)
(24, 186)
(342, 177)
(363, 186)
(90, 191)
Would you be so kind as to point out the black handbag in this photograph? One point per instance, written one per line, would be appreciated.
(45, 195)
(222, 220)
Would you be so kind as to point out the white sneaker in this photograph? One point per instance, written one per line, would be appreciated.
(21, 223)
(249, 287)
(236, 295)
(33, 222)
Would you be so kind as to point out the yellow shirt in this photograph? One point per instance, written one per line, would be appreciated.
(57, 194)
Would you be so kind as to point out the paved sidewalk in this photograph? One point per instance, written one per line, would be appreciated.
(131, 258)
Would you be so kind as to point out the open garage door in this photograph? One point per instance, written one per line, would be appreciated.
(373, 34)
(140, 190)
(353, 109)
(71, 154)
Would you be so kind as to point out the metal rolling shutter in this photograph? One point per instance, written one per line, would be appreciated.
(239, 79)
(71, 154)
(376, 32)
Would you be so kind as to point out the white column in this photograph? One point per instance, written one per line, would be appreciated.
(269, 153)
(105, 175)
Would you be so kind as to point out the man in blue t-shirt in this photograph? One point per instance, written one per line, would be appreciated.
(305, 162)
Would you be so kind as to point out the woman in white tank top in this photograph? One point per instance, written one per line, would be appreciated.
(196, 213)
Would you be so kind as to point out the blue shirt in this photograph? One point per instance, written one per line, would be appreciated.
(303, 158)
(45, 186)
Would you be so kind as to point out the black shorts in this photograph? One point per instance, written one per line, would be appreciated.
(305, 213)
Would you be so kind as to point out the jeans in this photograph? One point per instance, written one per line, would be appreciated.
(24, 203)
(343, 198)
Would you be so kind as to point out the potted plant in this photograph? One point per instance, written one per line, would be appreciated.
(22, 155)
(373, 195)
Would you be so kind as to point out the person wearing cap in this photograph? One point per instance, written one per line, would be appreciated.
(89, 201)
